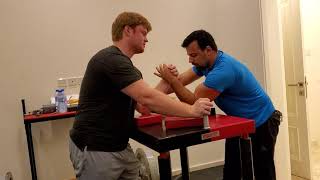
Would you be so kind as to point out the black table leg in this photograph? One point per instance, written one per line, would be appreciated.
(246, 159)
(184, 163)
(31, 151)
(165, 166)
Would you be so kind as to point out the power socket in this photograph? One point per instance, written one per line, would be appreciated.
(71, 82)
(62, 83)
(74, 81)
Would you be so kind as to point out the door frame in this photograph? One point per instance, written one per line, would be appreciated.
(275, 80)
(307, 122)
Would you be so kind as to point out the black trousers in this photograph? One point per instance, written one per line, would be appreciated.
(263, 142)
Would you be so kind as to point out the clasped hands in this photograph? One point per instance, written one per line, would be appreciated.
(169, 72)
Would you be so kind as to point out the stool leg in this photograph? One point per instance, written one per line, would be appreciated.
(246, 159)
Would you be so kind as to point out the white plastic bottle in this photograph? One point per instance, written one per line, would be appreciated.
(55, 98)
(61, 101)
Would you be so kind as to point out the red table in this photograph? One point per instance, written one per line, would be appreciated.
(162, 141)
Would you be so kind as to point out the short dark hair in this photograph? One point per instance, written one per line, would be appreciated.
(203, 38)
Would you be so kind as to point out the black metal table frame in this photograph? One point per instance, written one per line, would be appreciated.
(28, 129)
(194, 137)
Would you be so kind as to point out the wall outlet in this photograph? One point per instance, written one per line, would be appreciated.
(70, 82)
(62, 83)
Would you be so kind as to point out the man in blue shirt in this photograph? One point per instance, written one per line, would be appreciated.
(236, 91)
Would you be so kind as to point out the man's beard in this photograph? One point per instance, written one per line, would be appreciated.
(201, 68)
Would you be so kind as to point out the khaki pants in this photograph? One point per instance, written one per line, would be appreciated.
(97, 165)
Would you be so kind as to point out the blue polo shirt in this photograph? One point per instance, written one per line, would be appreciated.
(240, 93)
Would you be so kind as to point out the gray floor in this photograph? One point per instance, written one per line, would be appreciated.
(214, 173)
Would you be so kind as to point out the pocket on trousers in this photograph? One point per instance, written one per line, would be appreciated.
(78, 159)
(273, 126)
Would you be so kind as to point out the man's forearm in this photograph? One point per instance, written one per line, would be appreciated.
(164, 87)
(164, 104)
(182, 92)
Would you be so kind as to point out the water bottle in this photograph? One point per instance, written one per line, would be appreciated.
(61, 101)
(55, 98)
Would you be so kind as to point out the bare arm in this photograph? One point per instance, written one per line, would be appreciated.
(182, 92)
(164, 86)
(161, 103)
(185, 78)
(187, 96)
(188, 77)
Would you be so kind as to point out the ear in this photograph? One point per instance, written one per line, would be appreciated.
(127, 30)
(208, 49)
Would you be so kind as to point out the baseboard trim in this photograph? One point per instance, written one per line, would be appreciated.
(197, 167)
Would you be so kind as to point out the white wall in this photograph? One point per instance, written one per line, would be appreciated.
(310, 16)
(43, 40)
(275, 78)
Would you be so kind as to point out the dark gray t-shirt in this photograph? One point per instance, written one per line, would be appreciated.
(104, 119)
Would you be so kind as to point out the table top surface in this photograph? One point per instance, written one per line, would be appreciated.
(216, 122)
(48, 117)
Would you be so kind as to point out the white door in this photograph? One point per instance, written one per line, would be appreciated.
(296, 89)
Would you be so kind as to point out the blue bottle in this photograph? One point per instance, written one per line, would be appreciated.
(61, 101)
